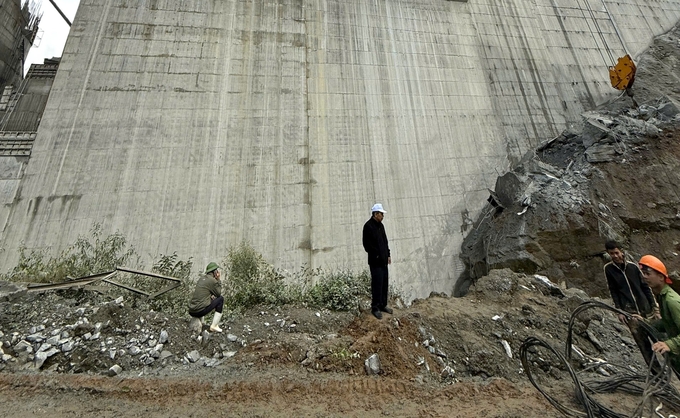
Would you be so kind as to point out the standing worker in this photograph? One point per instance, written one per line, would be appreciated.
(656, 276)
(375, 244)
(628, 290)
(631, 294)
(207, 297)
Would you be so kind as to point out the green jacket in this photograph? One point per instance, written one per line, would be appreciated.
(669, 303)
(206, 286)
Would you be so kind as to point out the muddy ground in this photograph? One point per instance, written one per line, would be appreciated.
(439, 357)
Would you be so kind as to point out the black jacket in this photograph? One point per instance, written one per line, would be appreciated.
(629, 292)
(375, 243)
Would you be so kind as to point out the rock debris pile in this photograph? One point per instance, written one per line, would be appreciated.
(613, 176)
(440, 340)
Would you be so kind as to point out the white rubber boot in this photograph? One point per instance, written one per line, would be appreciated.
(216, 322)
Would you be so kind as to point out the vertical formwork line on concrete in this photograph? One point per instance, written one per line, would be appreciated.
(83, 91)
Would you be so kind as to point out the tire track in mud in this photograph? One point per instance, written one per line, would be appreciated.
(360, 392)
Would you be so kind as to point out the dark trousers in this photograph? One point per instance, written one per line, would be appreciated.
(379, 284)
(215, 304)
(642, 340)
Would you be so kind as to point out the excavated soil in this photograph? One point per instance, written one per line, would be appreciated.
(316, 368)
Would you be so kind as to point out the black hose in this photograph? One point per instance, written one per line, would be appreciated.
(656, 383)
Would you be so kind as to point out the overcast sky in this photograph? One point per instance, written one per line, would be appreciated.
(53, 31)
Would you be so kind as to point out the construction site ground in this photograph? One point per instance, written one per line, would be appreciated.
(317, 367)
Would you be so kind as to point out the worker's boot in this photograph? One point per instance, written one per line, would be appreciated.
(215, 327)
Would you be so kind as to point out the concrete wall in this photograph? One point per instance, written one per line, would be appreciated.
(11, 22)
(190, 126)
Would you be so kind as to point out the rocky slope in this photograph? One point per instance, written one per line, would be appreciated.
(614, 176)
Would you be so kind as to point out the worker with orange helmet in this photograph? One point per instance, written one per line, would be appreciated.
(655, 275)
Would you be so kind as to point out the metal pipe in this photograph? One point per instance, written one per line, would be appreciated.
(60, 12)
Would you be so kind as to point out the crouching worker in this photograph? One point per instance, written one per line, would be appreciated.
(207, 297)
(655, 275)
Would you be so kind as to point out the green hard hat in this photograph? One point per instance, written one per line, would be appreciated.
(212, 266)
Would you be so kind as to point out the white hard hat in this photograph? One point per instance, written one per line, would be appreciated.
(378, 208)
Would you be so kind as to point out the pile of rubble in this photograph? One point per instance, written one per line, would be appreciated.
(63, 335)
(437, 341)
(552, 213)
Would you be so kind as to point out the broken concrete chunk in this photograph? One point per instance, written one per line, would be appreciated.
(40, 357)
(601, 153)
(21, 346)
(193, 356)
(163, 337)
(447, 372)
(594, 130)
(212, 362)
(547, 286)
(67, 346)
(372, 364)
(165, 354)
(35, 330)
(134, 350)
(114, 370)
(232, 338)
(44, 347)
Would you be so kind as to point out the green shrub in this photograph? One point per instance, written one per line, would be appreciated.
(339, 291)
(175, 301)
(249, 280)
(85, 257)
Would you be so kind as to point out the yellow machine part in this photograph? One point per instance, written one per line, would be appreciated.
(622, 75)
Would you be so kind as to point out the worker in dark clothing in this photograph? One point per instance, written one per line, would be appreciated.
(631, 294)
(207, 297)
(378, 249)
(628, 290)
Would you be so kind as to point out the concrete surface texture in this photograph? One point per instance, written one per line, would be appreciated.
(12, 21)
(192, 125)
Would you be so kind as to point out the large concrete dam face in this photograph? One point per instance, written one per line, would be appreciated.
(193, 125)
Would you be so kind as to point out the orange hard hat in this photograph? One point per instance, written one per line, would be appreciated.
(656, 264)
